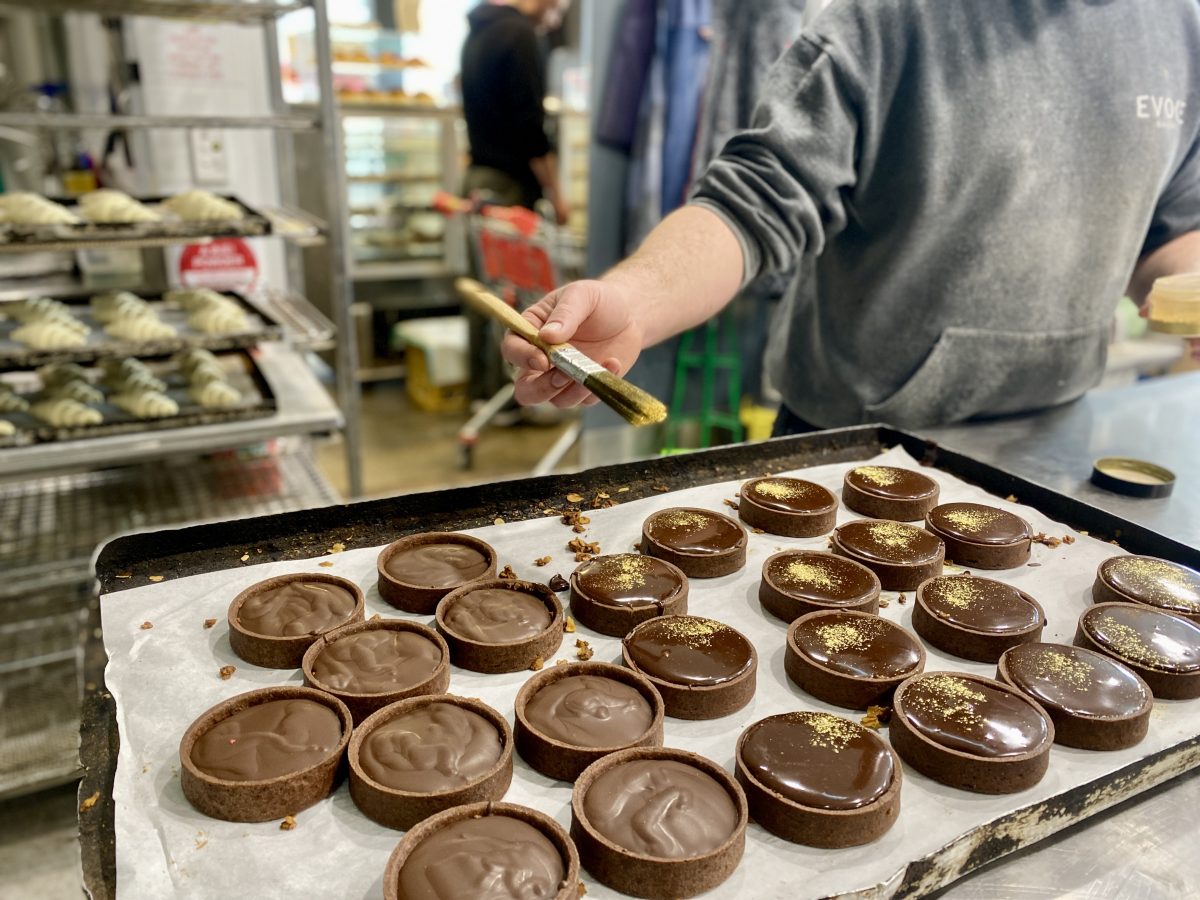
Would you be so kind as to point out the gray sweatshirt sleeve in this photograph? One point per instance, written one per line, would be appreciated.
(1178, 209)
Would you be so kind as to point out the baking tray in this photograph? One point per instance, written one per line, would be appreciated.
(301, 535)
(261, 327)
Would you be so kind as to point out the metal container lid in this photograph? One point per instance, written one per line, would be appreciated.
(1132, 477)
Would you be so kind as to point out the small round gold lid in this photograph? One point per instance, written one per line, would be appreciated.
(1132, 477)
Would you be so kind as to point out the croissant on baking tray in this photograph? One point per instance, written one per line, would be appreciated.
(215, 394)
(145, 404)
(199, 366)
(111, 206)
(60, 412)
(61, 373)
(119, 305)
(27, 208)
(203, 206)
(49, 334)
(7, 428)
(81, 391)
(140, 328)
(10, 401)
(44, 309)
(125, 374)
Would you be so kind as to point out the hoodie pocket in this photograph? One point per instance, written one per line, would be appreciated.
(981, 372)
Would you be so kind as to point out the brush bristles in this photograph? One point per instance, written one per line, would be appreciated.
(629, 401)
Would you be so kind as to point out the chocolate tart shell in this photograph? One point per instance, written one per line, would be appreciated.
(898, 509)
(404, 809)
(363, 705)
(972, 643)
(968, 772)
(273, 798)
(618, 621)
(1164, 685)
(893, 576)
(699, 565)
(422, 599)
(976, 555)
(783, 604)
(707, 701)
(840, 688)
(788, 523)
(827, 828)
(273, 652)
(480, 656)
(1104, 592)
(568, 890)
(647, 876)
(557, 759)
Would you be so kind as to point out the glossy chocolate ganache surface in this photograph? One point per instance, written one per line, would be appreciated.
(790, 495)
(661, 808)
(628, 580)
(1145, 636)
(1078, 681)
(818, 760)
(979, 524)
(1154, 582)
(980, 604)
(437, 565)
(498, 616)
(435, 747)
(268, 740)
(377, 661)
(590, 711)
(695, 531)
(883, 541)
(891, 482)
(861, 646)
(689, 650)
(967, 715)
(297, 608)
(821, 577)
(494, 857)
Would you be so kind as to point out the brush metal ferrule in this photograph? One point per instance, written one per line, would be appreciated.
(574, 364)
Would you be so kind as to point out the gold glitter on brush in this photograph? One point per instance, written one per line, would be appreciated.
(1127, 642)
(879, 475)
(839, 636)
(948, 696)
(830, 732)
(956, 591)
(971, 519)
(799, 572)
(1055, 665)
(1159, 581)
(892, 535)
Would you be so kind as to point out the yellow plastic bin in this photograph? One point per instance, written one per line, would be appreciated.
(435, 357)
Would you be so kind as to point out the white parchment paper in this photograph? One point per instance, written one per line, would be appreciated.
(165, 676)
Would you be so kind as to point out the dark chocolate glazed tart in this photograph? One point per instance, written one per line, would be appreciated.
(264, 754)
(1095, 702)
(790, 507)
(417, 571)
(888, 492)
(702, 543)
(850, 659)
(796, 582)
(418, 757)
(976, 618)
(1153, 582)
(272, 623)
(1162, 648)
(817, 779)
(703, 669)
(981, 537)
(612, 594)
(901, 555)
(501, 625)
(493, 850)
(971, 732)
(637, 834)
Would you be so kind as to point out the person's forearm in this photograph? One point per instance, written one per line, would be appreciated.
(545, 170)
(685, 272)
(1175, 257)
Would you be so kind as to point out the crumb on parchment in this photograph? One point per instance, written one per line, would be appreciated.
(155, 578)
(569, 625)
(583, 650)
(89, 802)
(542, 561)
(226, 672)
(325, 565)
(146, 626)
(209, 623)
(507, 572)
(288, 823)
(537, 664)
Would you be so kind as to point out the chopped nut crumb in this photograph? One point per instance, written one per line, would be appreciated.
(1048, 541)
(574, 498)
(601, 495)
(288, 823)
(902, 600)
(89, 802)
(201, 840)
(622, 490)
(325, 565)
(583, 650)
(497, 521)
(155, 578)
(562, 662)
(124, 575)
(1011, 498)
(582, 889)
(541, 561)
(146, 626)
(558, 584)
(337, 548)
(537, 664)
(507, 572)
(732, 504)
(209, 623)
(579, 529)
(884, 602)
(227, 672)
(582, 557)
(661, 488)
(244, 557)
(375, 618)
(579, 545)
(569, 625)
(1067, 539)
(876, 717)
(758, 531)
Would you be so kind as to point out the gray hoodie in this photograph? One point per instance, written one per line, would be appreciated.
(963, 188)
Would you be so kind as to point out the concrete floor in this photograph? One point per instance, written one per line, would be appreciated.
(39, 850)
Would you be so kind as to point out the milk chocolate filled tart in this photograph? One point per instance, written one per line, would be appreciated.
(797, 582)
(1095, 702)
(702, 543)
(500, 625)
(981, 537)
(571, 715)
(790, 507)
(1153, 582)
(976, 618)
(901, 555)
(264, 754)
(463, 851)
(690, 847)
(970, 732)
(887, 492)
(420, 756)
(817, 779)
(272, 623)
(417, 571)
(368, 665)
(612, 594)
(703, 669)
(850, 659)
(1162, 648)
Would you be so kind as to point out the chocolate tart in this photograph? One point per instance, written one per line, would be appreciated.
(817, 779)
(463, 851)
(500, 625)
(417, 571)
(1162, 648)
(703, 669)
(368, 665)
(797, 582)
(976, 618)
(686, 849)
(981, 537)
(887, 492)
(272, 623)
(420, 756)
(901, 555)
(700, 542)
(612, 594)
(1154, 582)
(790, 507)
(1095, 702)
(971, 732)
(264, 754)
(850, 659)
(571, 715)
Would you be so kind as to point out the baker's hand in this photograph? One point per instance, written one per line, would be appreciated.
(595, 317)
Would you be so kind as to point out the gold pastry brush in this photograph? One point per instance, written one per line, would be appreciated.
(629, 401)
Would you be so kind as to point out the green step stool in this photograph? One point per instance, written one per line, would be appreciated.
(707, 352)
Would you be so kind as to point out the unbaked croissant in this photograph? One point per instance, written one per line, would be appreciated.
(119, 305)
(11, 402)
(145, 404)
(49, 334)
(203, 206)
(7, 428)
(215, 395)
(25, 208)
(123, 374)
(199, 366)
(44, 309)
(61, 373)
(63, 413)
(223, 318)
(140, 328)
(107, 205)
(192, 299)
(76, 390)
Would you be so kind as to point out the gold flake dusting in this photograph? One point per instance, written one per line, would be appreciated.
(883, 476)
(849, 635)
(948, 696)
(782, 490)
(957, 591)
(971, 519)
(1056, 665)
(623, 572)
(690, 630)
(682, 518)
(831, 732)
(1128, 642)
(893, 535)
(1159, 581)
(807, 572)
